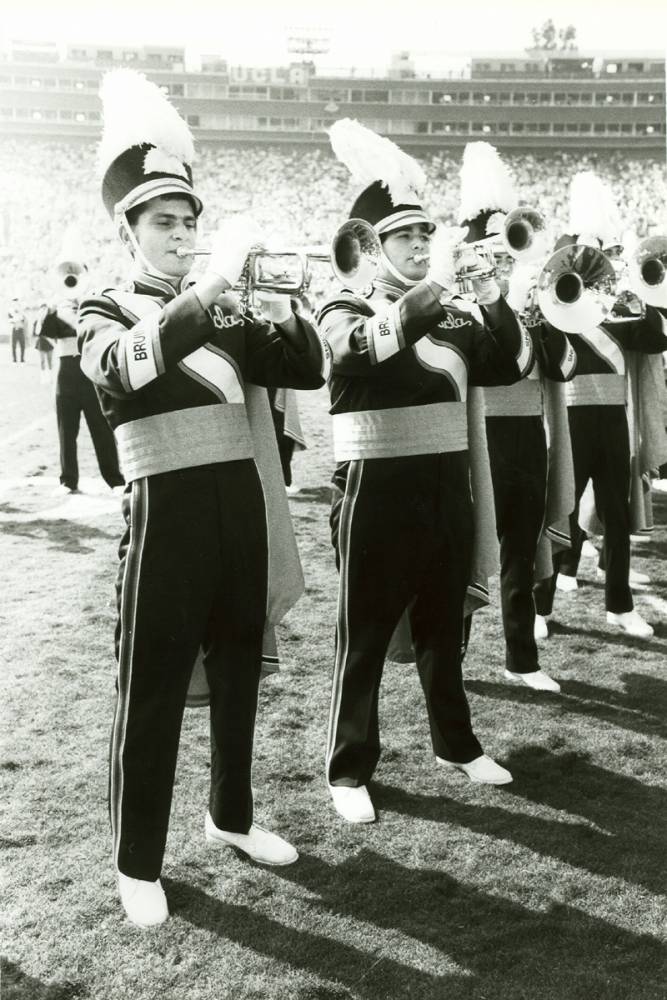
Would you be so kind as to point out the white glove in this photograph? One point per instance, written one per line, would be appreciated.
(521, 280)
(442, 267)
(274, 306)
(486, 291)
(231, 245)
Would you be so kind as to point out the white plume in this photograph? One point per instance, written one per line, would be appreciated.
(370, 157)
(72, 249)
(135, 112)
(486, 182)
(592, 208)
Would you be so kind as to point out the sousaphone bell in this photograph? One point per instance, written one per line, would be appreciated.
(576, 288)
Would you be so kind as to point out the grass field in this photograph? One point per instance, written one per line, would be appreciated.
(552, 888)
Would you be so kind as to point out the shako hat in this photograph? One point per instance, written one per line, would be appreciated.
(392, 181)
(487, 192)
(146, 148)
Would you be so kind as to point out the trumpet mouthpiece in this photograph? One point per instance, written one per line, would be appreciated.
(184, 252)
(419, 258)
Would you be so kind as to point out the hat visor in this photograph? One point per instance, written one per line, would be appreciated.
(155, 189)
(399, 220)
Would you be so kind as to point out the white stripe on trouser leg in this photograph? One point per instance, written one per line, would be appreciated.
(128, 615)
(346, 515)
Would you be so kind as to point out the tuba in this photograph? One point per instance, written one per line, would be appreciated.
(576, 288)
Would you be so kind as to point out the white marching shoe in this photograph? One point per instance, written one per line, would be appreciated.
(482, 769)
(566, 583)
(632, 623)
(259, 844)
(144, 902)
(540, 628)
(536, 679)
(588, 550)
(353, 804)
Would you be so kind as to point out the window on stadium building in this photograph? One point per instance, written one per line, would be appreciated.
(517, 127)
(626, 127)
(627, 98)
(193, 120)
(376, 96)
(558, 128)
(357, 95)
(248, 93)
(503, 127)
(519, 97)
(504, 97)
(464, 97)
(545, 97)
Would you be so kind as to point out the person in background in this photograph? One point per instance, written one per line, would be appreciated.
(18, 325)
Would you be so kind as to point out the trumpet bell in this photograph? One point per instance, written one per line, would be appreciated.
(525, 234)
(648, 271)
(70, 272)
(576, 288)
(355, 253)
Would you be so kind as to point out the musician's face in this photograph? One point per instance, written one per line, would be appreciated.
(164, 225)
(402, 245)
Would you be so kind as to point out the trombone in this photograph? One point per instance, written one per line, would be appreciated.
(354, 255)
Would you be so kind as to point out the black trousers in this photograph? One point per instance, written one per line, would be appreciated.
(75, 394)
(601, 452)
(193, 572)
(518, 456)
(285, 443)
(18, 345)
(402, 530)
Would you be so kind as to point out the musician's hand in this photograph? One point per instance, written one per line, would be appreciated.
(522, 280)
(273, 306)
(442, 267)
(486, 291)
(231, 245)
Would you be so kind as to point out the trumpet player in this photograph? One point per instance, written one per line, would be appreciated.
(75, 394)
(402, 519)
(170, 363)
(597, 400)
(515, 427)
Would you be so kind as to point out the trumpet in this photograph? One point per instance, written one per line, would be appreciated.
(354, 255)
(71, 273)
(523, 237)
(647, 271)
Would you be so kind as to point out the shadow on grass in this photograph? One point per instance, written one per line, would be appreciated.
(631, 817)
(313, 494)
(607, 638)
(507, 950)
(16, 985)
(628, 710)
(62, 535)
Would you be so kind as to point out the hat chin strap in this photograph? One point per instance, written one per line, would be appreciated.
(407, 282)
(139, 258)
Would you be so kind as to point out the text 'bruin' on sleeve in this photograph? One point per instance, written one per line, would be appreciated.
(122, 352)
(554, 353)
(361, 336)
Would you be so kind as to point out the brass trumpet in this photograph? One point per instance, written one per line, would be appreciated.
(354, 255)
(647, 271)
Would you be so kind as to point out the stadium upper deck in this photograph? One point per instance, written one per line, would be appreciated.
(534, 100)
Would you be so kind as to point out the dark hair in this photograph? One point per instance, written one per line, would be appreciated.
(134, 214)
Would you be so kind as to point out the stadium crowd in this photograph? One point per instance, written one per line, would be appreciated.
(298, 196)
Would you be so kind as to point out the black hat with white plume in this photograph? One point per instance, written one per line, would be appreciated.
(146, 148)
(487, 192)
(392, 181)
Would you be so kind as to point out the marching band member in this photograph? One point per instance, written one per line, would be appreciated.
(597, 398)
(515, 427)
(75, 394)
(170, 363)
(401, 517)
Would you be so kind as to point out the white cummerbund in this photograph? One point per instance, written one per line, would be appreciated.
(523, 399)
(183, 439)
(404, 430)
(596, 390)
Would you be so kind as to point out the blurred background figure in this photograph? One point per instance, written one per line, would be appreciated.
(43, 346)
(75, 394)
(18, 324)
